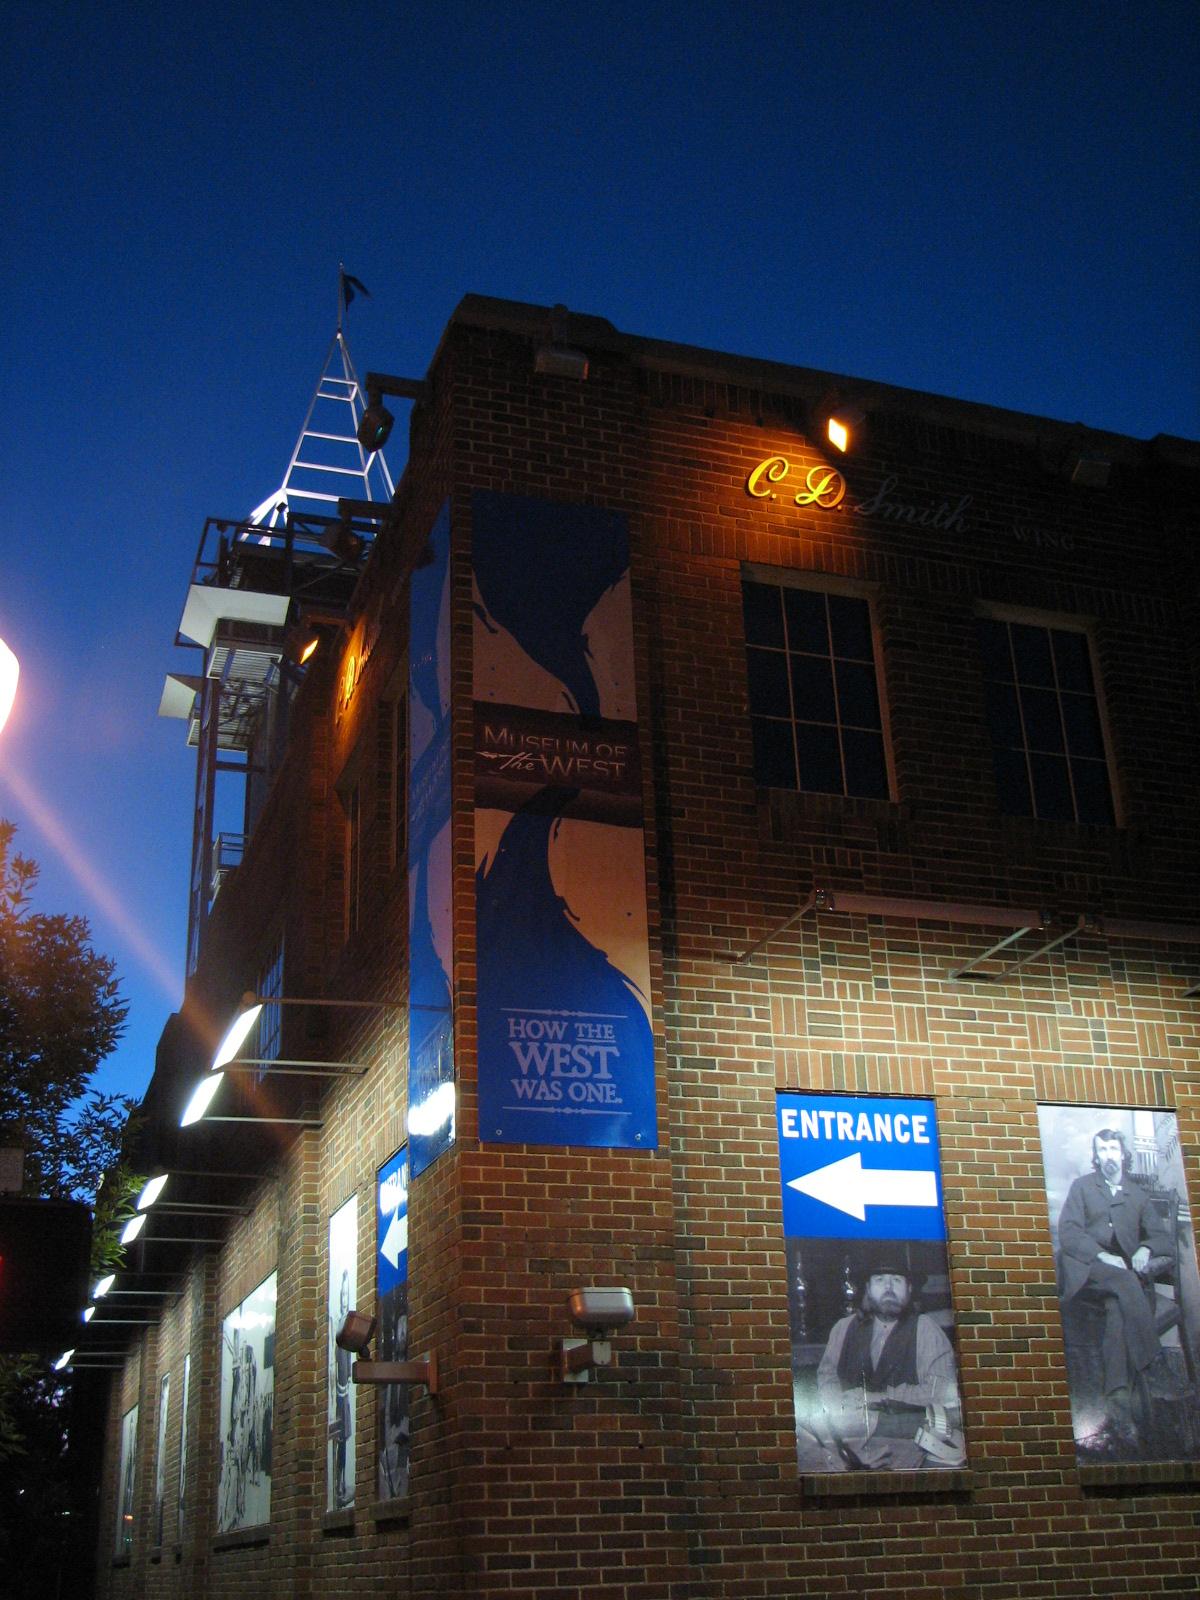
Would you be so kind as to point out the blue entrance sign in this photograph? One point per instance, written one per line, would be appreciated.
(858, 1167)
(391, 1226)
(391, 1316)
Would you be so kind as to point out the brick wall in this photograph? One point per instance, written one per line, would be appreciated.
(675, 1474)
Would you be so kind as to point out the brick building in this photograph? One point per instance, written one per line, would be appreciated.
(675, 803)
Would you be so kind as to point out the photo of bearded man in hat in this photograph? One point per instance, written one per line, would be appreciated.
(886, 1383)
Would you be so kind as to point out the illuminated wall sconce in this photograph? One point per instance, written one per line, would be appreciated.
(375, 425)
(355, 1335)
(600, 1313)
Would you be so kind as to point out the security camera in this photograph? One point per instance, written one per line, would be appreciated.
(599, 1311)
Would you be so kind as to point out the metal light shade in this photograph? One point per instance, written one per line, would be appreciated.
(202, 1098)
(236, 1035)
(152, 1191)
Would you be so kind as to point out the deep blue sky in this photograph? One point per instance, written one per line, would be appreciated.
(989, 200)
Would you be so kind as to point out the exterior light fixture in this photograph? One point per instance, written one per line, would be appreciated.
(308, 650)
(152, 1191)
(104, 1285)
(375, 425)
(88, 1313)
(843, 423)
(155, 1187)
(1087, 469)
(10, 671)
(202, 1098)
(554, 357)
(205, 1092)
(133, 1227)
(600, 1313)
(355, 1335)
(235, 1034)
(64, 1360)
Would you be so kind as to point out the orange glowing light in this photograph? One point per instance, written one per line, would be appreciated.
(839, 434)
(309, 649)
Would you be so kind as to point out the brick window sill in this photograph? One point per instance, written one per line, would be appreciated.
(387, 1513)
(839, 1485)
(1138, 1474)
(242, 1539)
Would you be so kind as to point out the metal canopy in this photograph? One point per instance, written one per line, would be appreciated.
(1021, 923)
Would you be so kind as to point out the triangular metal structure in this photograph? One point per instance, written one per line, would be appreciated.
(328, 463)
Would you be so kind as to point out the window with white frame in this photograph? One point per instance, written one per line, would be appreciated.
(1045, 719)
(815, 706)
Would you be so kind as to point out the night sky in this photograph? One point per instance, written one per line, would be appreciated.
(989, 200)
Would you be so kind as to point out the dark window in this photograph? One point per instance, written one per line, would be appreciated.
(270, 988)
(814, 698)
(1043, 716)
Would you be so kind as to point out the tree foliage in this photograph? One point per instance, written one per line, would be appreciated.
(61, 1013)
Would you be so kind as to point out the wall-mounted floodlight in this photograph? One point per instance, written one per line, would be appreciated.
(64, 1360)
(154, 1189)
(10, 671)
(104, 1285)
(237, 1031)
(355, 1335)
(133, 1227)
(205, 1092)
(375, 424)
(843, 425)
(249, 1010)
(599, 1312)
(88, 1313)
(202, 1097)
(1090, 469)
(554, 357)
(151, 1191)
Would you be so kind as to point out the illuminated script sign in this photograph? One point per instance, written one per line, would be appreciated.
(823, 486)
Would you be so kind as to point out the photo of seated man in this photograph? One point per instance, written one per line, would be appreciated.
(885, 1395)
(1128, 1289)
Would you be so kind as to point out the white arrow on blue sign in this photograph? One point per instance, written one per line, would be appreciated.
(859, 1167)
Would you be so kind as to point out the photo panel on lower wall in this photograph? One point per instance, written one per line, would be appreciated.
(874, 1365)
(247, 1410)
(1127, 1280)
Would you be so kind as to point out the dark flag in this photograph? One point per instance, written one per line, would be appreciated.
(351, 286)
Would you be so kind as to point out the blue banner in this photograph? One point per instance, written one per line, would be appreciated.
(431, 1096)
(566, 1052)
